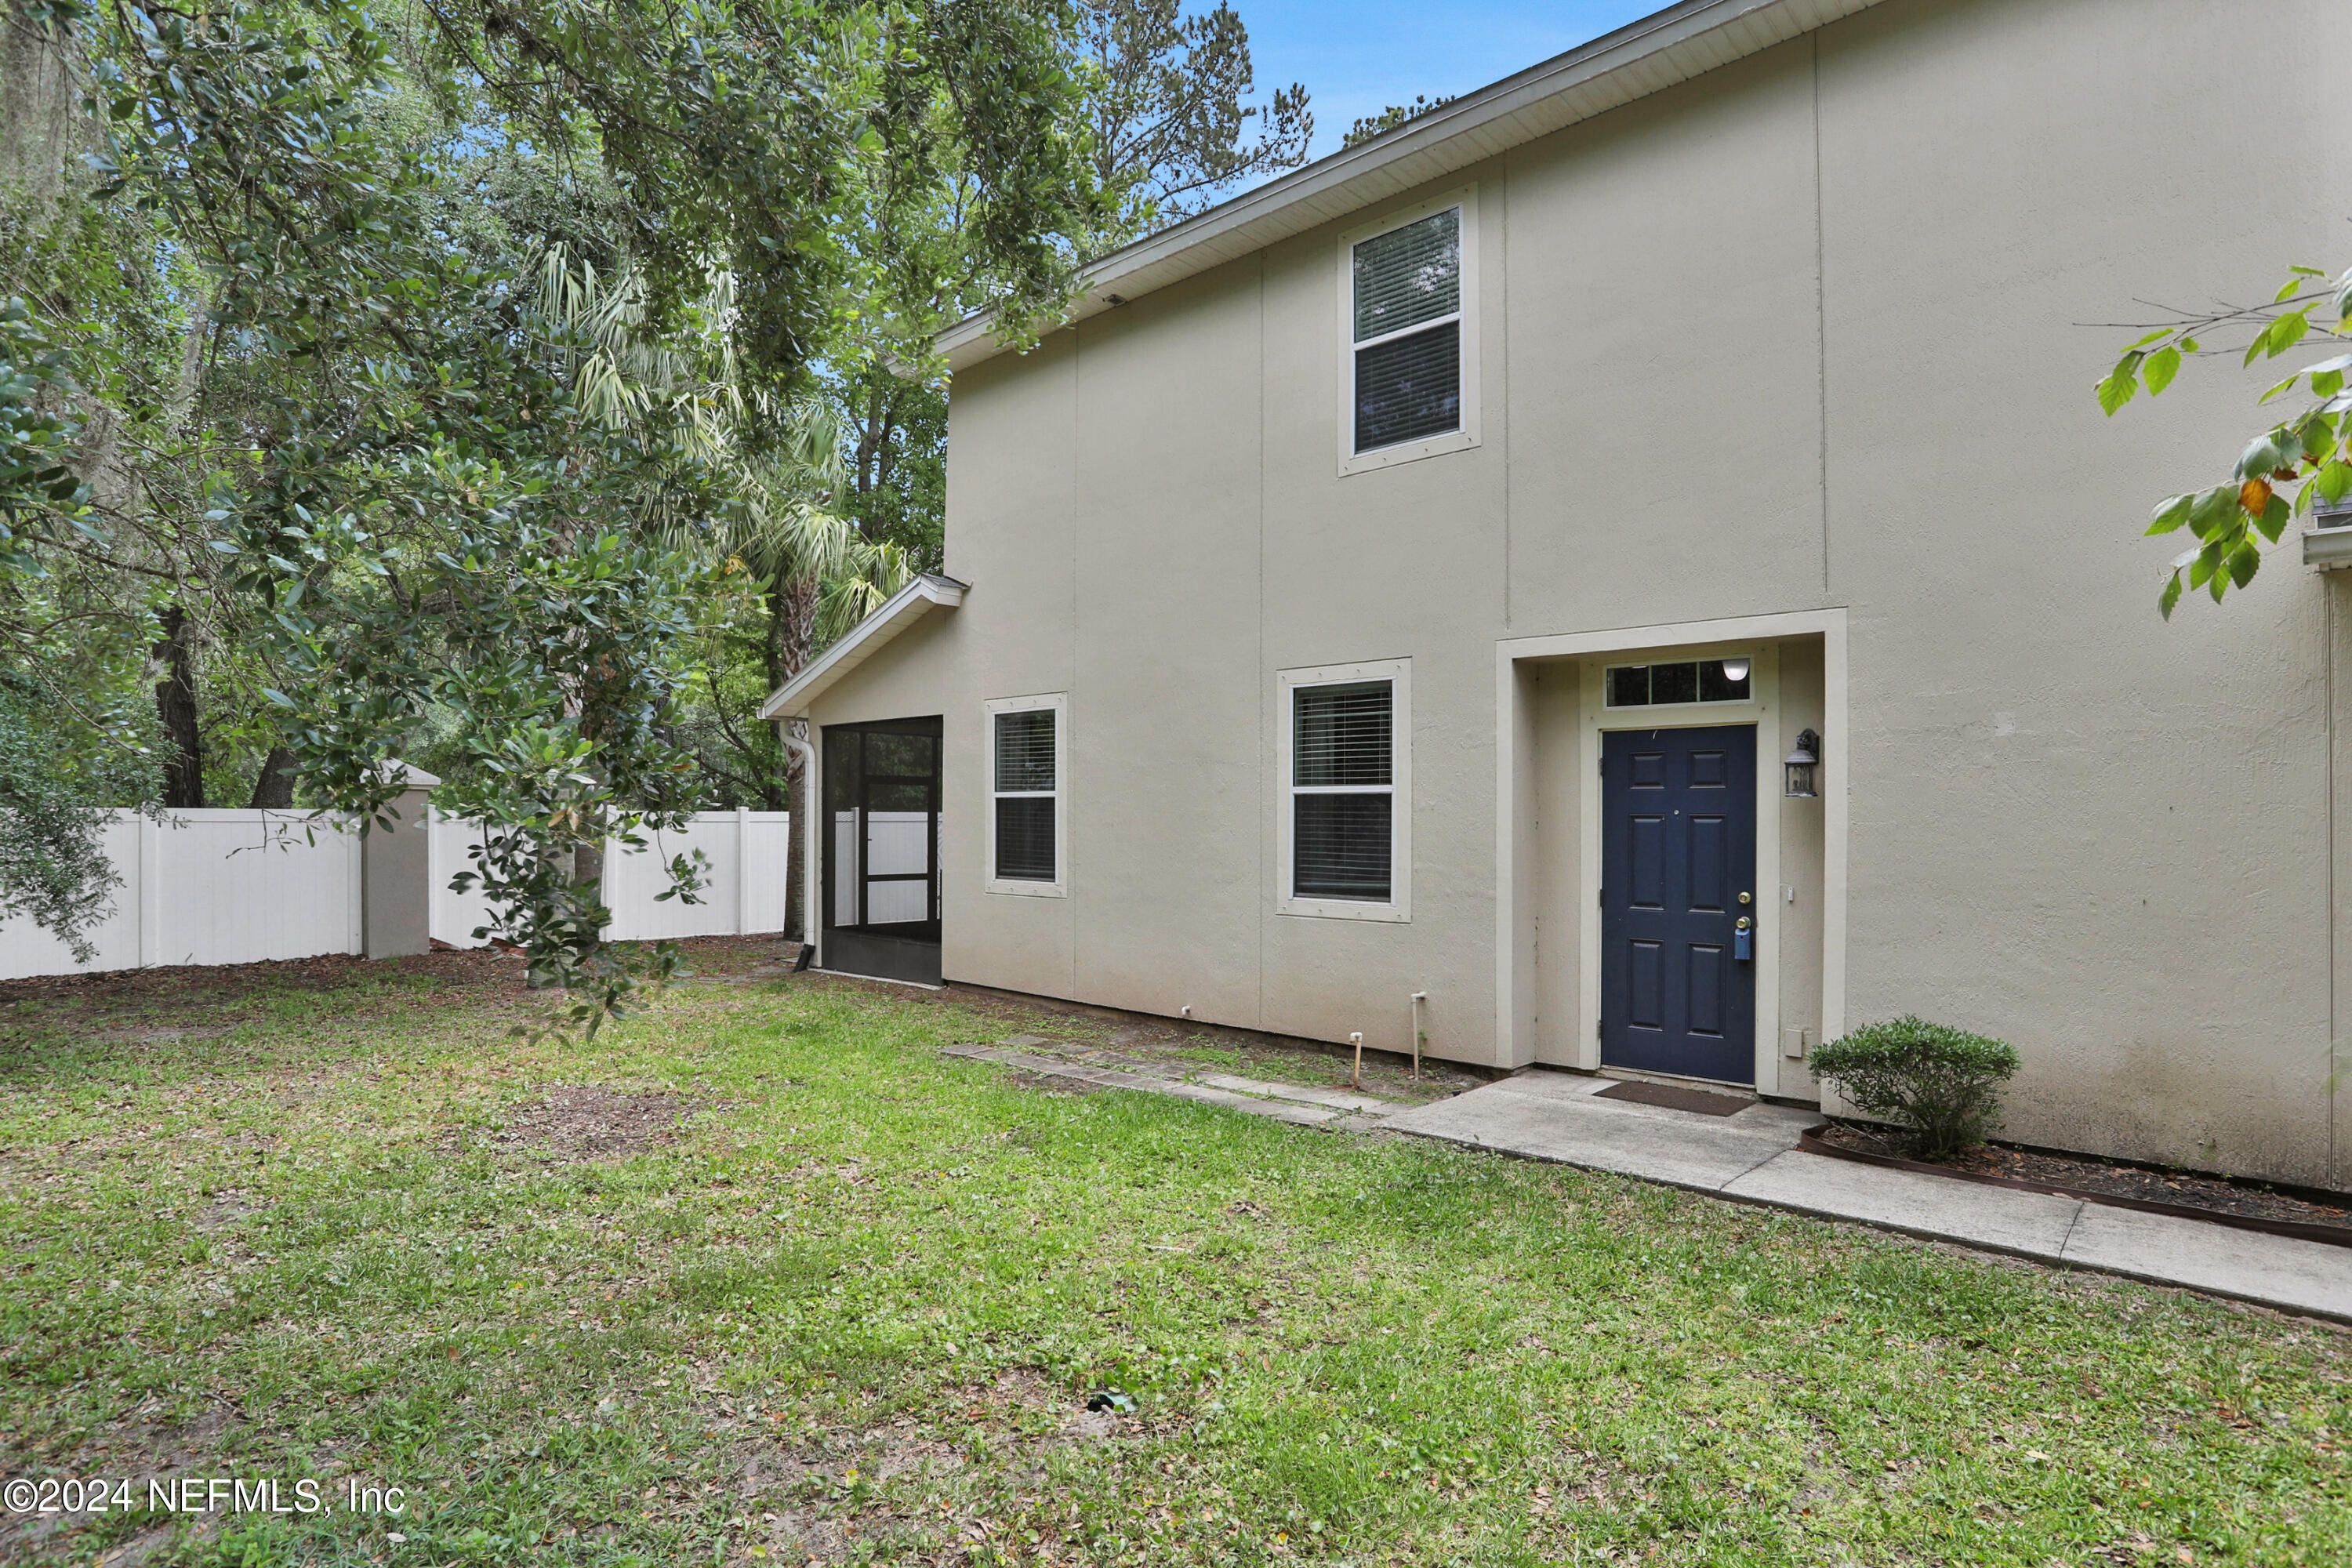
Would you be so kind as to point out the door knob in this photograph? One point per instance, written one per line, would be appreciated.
(1742, 925)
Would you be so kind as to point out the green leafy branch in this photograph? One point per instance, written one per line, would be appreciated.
(2310, 452)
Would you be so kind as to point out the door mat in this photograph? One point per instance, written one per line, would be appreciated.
(1675, 1098)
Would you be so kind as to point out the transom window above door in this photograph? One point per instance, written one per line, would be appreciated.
(1680, 682)
(1408, 360)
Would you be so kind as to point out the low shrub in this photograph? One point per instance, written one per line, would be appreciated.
(1943, 1085)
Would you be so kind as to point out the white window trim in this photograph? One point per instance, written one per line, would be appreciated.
(1751, 655)
(1350, 460)
(1058, 702)
(1398, 673)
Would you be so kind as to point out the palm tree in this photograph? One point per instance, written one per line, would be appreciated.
(777, 465)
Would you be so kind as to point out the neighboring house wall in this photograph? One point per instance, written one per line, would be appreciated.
(1812, 337)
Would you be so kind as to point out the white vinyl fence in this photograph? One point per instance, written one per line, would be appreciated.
(211, 887)
(898, 844)
(743, 891)
(239, 887)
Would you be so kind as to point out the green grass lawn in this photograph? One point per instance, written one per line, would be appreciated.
(843, 1298)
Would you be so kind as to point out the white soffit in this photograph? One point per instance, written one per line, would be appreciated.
(1649, 56)
(863, 641)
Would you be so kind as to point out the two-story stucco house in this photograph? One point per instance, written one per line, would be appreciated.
(1626, 571)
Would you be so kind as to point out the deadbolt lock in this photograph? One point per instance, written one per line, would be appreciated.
(1743, 897)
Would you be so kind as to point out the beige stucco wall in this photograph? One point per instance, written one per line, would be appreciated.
(1804, 335)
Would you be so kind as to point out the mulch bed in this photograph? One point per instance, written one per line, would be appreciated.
(2089, 1177)
(703, 957)
(327, 972)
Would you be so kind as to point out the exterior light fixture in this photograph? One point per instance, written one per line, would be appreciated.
(1735, 670)
(1799, 766)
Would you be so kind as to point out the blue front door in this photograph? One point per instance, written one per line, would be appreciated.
(1677, 902)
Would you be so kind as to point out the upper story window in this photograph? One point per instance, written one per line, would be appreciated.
(1409, 356)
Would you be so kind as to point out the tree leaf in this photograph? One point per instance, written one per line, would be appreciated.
(2171, 513)
(2161, 367)
(2275, 516)
(2122, 383)
(2170, 595)
(2210, 507)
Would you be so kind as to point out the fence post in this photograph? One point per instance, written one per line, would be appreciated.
(395, 870)
(150, 892)
(742, 870)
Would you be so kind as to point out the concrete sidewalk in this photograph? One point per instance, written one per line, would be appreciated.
(1751, 1157)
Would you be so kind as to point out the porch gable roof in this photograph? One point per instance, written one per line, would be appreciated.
(910, 603)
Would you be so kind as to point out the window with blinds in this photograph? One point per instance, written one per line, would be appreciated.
(1027, 794)
(1342, 792)
(1407, 331)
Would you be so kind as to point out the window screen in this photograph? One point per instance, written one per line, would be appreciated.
(1025, 788)
(1407, 331)
(1343, 761)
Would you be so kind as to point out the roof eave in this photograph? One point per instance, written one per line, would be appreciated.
(927, 591)
(1659, 51)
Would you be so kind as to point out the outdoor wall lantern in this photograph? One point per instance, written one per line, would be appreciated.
(1801, 764)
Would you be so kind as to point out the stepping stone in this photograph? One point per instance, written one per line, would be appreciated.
(1337, 1099)
(1149, 1083)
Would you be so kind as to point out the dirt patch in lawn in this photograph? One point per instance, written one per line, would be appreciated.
(2143, 1184)
(1112, 1038)
(574, 1123)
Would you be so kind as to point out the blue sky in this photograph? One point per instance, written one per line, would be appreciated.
(1357, 56)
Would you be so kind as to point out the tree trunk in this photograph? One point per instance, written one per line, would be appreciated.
(43, 127)
(798, 797)
(274, 790)
(175, 707)
(791, 628)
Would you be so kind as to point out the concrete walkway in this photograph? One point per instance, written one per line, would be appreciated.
(1299, 1104)
(1751, 1157)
